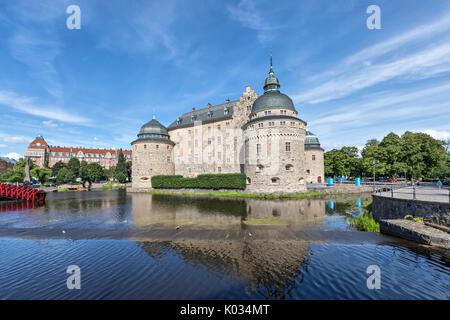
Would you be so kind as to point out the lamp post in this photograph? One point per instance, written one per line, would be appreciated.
(405, 176)
(373, 162)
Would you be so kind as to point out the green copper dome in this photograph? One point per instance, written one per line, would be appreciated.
(311, 141)
(272, 97)
(153, 130)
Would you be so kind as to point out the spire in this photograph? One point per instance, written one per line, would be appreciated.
(271, 68)
(271, 83)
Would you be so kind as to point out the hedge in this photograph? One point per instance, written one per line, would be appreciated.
(202, 181)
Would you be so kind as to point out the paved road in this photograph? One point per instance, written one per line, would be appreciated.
(425, 193)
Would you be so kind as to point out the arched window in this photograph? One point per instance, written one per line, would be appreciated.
(301, 180)
(259, 168)
(249, 181)
(289, 167)
(319, 179)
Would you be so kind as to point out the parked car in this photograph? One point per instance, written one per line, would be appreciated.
(446, 183)
(393, 180)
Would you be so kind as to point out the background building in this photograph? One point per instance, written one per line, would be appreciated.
(260, 136)
(5, 164)
(38, 148)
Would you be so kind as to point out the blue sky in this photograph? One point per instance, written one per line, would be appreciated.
(95, 87)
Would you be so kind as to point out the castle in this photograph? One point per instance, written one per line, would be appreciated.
(260, 136)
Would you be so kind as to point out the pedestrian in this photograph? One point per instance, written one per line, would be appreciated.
(439, 184)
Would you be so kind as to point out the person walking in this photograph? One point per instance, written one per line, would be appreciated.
(439, 184)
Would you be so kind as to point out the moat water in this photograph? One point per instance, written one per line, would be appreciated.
(142, 246)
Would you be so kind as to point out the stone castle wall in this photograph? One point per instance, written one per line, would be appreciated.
(213, 147)
(270, 166)
(151, 159)
(315, 167)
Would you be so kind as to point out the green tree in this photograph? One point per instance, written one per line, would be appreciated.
(17, 173)
(342, 162)
(61, 177)
(41, 174)
(74, 167)
(121, 169)
(129, 170)
(46, 158)
(56, 167)
(95, 171)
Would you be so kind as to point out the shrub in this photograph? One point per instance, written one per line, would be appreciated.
(364, 222)
(203, 181)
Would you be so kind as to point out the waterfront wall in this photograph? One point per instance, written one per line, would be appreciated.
(341, 189)
(394, 208)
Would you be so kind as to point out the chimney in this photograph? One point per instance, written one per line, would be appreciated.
(209, 105)
(193, 109)
(228, 100)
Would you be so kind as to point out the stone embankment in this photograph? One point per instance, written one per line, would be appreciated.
(416, 231)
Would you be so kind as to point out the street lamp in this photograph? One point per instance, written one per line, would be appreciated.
(373, 162)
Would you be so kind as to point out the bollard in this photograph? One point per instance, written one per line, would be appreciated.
(392, 192)
(357, 182)
(330, 182)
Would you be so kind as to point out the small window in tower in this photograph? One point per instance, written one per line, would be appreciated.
(157, 146)
(314, 157)
(145, 146)
(288, 147)
(258, 148)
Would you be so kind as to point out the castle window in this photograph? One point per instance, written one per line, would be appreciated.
(209, 141)
(314, 157)
(271, 123)
(157, 146)
(259, 168)
(283, 112)
(178, 121)
(260, 125)
(145, 146)
(289, 167)
(227, 123)
(218, 127)
(282, 123)
(249, 181)
(258, 148)
(225, 110)
(168, 147)
(308, 171)
(288, 147)
(219, 169)
(209, 114)
(275, 180)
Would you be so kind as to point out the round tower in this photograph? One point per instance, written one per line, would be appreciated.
(152, 154)
(274, 142)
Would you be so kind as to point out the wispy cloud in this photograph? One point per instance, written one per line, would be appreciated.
(49, 123)
(16, 139)
(438, 134)
(247, 13)
(30, 106)
(395, 58)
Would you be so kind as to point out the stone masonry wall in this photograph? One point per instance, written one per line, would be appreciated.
(150, 159)
(315, 167)
(392, 208)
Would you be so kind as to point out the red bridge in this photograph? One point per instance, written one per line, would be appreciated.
(10, 191)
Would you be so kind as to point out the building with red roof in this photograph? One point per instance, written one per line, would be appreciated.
(38, 148)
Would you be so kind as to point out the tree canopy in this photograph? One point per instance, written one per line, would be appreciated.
(417, 154)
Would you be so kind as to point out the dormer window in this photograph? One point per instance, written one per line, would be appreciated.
(226, 110)
(193, 117)
(178, 120)
(210, 114)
